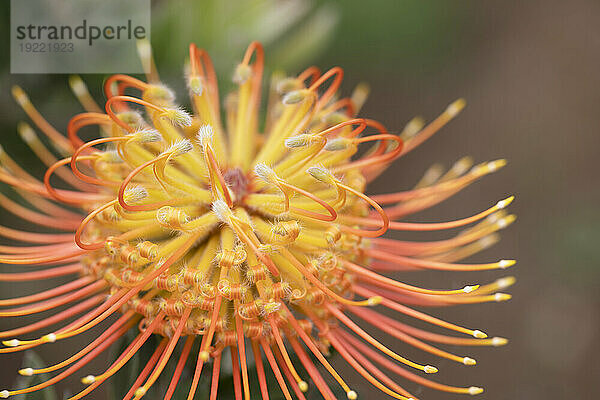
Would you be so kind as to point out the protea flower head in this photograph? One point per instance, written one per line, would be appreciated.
(241, 234)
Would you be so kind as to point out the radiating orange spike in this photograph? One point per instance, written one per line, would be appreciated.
(311, 369)
(75, 367)
(361, 350)
(237, 380)
(165, 356)
(147, 369)
(214, 384)
(362, 371)
(260, 370)
(275, 369)
(422, 316)
(185, 352)
(56, 302)
(290, 378)
(241, 347)
(53, 319)
(368, 338)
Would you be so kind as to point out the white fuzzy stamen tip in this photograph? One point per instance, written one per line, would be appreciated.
(205, 134)
(178, 117)
(88, 379)
(180, 147)
(456, 107)
(469, 289)
(506, 263)
(11, 342)
(479, 334)
(148, 135)
(499, 341)
(4, 394)
(26, 371)
(321, 174)
(502, 296)
(264, 172)
(51, 337)
(303, 386)
(473, 390)
(352, 395)
(504, 203)
(469, 361)
(195, 85)
(429, 369)
(505, 282)
(221, 210)
(135, 194)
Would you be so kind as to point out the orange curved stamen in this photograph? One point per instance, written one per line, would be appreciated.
(129, 178)
(435, 226)
(65, 196)
(89, 179)
(385, 221)
(322, 217)
(338, 74)
(124, 81)
(87, 220)
(373, 159)
(81, 120)
(117, 120)
(312, 72)
(362, 124)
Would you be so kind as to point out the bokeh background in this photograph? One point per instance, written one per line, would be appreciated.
(530, 74)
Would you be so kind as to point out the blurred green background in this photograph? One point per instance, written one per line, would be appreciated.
(530, 74)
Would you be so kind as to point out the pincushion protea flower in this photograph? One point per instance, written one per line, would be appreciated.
(241, 240)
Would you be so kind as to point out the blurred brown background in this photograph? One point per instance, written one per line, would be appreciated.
(530, 74)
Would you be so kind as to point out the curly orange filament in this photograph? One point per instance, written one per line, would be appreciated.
(117, 120)
(86, 146)
(385, 221)
(312, 72)
(81, 120)
(338, 74)
(124, 81)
